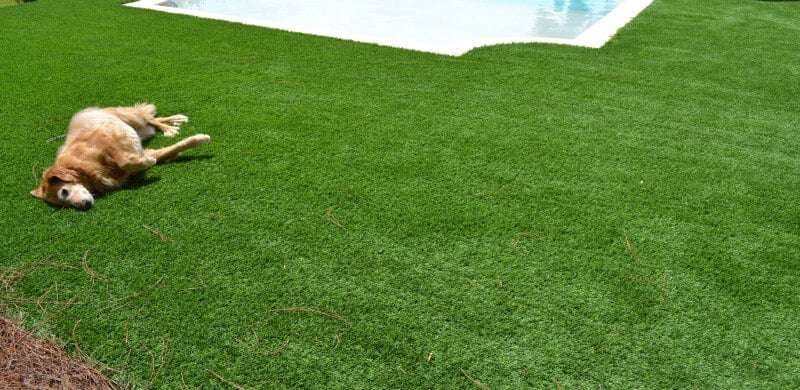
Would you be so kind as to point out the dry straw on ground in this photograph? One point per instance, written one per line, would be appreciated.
(28, 362)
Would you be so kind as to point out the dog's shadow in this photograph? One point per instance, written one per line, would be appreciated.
(137, 181)
(143, 179)
(183, 159)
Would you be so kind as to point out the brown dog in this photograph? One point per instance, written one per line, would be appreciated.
(104, 148)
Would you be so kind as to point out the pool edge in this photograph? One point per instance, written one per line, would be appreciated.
(595, 37)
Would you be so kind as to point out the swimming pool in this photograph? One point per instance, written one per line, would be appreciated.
(440, 26)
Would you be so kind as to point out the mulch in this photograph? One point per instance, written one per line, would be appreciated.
(29, 362)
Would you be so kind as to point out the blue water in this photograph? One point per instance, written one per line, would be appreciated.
(432, 25)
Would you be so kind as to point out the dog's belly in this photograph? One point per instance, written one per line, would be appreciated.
(93, 123)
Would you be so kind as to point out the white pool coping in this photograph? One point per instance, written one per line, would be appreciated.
(595, 36)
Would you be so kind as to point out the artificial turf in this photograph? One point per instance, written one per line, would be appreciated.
(369, 217)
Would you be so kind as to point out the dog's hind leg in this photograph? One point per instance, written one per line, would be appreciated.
(175, 120)
(174, 150)
(164, 127)
(142, 117)
(170, 125)
(138, 117)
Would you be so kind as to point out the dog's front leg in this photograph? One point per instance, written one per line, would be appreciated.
(133, 163)
(174, 150)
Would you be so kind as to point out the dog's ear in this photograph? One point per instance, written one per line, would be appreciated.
(38, 193)
(55, 176)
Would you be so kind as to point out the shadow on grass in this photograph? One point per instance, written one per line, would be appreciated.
(142, 179)
(183, 159)
(135, 182)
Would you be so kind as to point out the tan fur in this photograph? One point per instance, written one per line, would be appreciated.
(103, 149)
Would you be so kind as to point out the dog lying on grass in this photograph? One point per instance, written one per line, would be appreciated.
(103, 149)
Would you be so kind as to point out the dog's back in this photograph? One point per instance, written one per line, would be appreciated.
(99, 129)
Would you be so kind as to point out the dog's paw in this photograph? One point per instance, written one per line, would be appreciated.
(108, 182)
(177, 120)
(149, 161)
(200, 139)
(171, 131)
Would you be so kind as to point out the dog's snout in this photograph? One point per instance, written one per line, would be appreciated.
(87, 204)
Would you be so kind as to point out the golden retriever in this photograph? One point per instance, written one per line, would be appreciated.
(103, 149)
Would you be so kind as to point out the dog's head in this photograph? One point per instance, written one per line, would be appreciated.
(61, 187)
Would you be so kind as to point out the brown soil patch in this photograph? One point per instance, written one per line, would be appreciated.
(27, 362)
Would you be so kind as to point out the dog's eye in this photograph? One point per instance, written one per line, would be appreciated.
(63, 193)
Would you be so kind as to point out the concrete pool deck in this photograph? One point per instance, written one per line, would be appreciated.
(595, 36)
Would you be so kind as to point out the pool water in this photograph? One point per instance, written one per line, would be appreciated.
(440, 26)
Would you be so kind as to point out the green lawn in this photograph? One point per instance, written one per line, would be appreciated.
(532, 215)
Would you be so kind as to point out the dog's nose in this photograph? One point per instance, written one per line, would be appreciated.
(87, 204)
